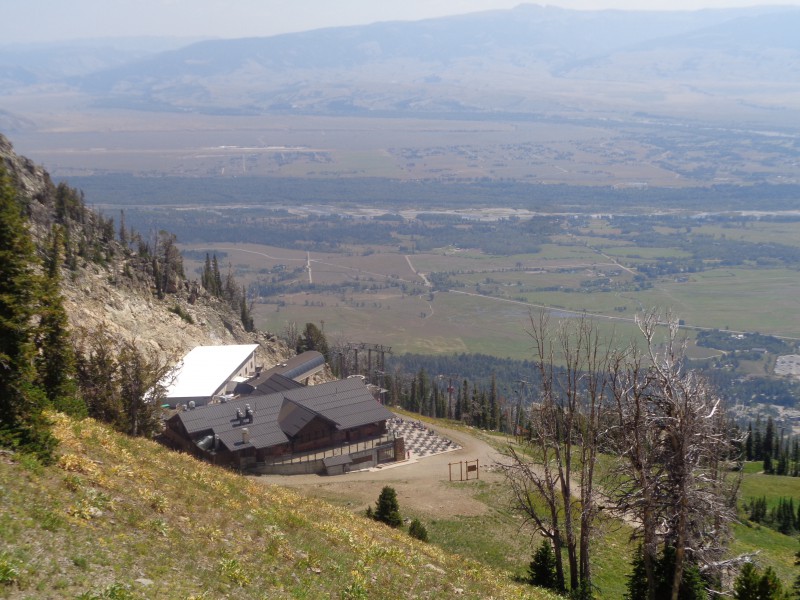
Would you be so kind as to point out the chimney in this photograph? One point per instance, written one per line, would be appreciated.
(245, 435)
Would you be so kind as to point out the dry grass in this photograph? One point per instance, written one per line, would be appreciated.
(125, 518)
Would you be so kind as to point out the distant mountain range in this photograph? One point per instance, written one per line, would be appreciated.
(508, 62)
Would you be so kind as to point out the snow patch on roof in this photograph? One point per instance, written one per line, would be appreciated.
(206, 369)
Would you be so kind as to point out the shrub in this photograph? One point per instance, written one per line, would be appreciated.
(542, 569)
(9, 571)
(417, 530)
(176, 309)
(387, 510)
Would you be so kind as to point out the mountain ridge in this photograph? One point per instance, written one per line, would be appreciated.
(414, 67)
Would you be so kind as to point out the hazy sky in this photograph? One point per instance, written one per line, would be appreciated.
(49, 20)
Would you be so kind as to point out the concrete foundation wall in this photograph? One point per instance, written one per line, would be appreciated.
(363, 459)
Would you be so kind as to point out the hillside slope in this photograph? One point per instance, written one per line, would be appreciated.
(125, 518)
(110, 287)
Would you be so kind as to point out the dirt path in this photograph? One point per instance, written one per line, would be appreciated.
(417, 273)
(422, 484)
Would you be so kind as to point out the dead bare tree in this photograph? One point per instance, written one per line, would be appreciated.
(552, 480)
(677, 448)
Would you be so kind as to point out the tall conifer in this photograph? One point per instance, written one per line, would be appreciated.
(55, 360)
(22, 423)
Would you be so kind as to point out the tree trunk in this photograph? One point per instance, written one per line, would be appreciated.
(557, 547)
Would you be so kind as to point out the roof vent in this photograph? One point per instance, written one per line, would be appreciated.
(245, 435)
(191, 404)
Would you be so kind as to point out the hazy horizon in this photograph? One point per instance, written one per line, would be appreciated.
(42, 21)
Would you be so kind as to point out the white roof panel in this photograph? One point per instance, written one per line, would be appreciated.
(206, 369)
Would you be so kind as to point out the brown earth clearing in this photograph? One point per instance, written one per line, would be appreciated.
(423, 485)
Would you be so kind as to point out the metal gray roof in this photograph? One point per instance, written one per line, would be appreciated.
(347, 403)
(277, 383)
(297, 367)
(294, 417)
(221, 419)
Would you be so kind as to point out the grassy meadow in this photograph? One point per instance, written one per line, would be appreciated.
(118, 517)
(128, 519)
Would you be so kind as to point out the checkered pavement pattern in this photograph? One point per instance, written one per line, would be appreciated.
(420, 440)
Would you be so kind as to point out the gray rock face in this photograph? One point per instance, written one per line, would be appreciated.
(103, 298)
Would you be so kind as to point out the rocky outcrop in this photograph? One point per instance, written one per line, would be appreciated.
(115, 295)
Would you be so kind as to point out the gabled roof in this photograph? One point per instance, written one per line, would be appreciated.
(204, 370)
(276, 417)
(297, 367)
(275, 383)
(221, 419)
(347, 402)
(294, 417)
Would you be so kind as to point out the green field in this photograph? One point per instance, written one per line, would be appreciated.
(772, 548)
(380, 294)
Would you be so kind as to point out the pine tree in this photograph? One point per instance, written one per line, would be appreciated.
(98, 381)
(746, 585)
(22, 422)
(494, 406)
(748, 444)
(244, 310)
(207, 277)
(417, 530)
(692, 586)
(636, 585)
(768, 449)
(312, 338)
(758, 509)
(465, 403)
(121, 383)
(783, 464)
(795, 457)
(157, 278)
(753, 585)
(216, 278)
(769, 586)
(123, 232)
(423, 392)
(388, 510)
(758, 444)
(55, 360)
(542, 569)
